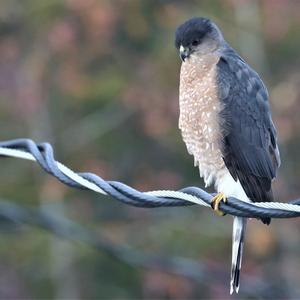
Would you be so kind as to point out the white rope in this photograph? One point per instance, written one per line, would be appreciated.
(79, 179)
(68, 172)
(16, 153)
(160, 193)
(179, 195)
(278, 205)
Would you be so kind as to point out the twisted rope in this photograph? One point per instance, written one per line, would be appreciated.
(43, 154)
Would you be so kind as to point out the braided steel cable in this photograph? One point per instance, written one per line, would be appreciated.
(43, 154)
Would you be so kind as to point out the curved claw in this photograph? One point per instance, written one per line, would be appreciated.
(215, 203)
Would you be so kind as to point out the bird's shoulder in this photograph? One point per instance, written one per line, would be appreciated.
(236, 77)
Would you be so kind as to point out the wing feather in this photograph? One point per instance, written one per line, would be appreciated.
(249, 149)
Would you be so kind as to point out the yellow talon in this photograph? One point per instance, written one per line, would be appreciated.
(215, 203)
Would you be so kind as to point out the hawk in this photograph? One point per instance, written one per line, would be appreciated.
(226, 123)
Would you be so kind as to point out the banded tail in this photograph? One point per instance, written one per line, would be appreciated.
(238, 235)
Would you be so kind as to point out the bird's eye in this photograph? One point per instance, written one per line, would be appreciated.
(195, 42)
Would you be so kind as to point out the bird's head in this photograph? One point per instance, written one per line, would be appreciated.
(197, 36)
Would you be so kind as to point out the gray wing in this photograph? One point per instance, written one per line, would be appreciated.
(249, 149)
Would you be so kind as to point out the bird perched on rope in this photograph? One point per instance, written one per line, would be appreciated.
(226, 123)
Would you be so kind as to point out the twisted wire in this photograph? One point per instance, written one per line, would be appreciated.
(43, 154)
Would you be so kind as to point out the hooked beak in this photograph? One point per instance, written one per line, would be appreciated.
(184, 53)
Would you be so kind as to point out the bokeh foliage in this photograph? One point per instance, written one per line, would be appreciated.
(99, 80)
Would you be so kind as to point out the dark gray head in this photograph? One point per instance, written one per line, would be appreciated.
(197, 36)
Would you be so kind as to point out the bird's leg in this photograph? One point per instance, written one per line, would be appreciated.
(215, 202)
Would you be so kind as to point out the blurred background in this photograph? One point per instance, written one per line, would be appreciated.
(99, 81)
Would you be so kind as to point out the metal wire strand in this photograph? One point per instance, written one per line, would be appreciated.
(43, 154)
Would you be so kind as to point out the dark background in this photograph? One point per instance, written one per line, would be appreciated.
(99, 81)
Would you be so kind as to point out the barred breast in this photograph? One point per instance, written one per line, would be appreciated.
(199, 119)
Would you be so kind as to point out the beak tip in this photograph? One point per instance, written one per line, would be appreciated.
(183, 53)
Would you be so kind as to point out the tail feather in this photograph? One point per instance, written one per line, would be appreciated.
(238, 235)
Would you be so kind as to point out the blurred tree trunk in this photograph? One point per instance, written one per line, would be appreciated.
(61, 252)
(250, 36)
